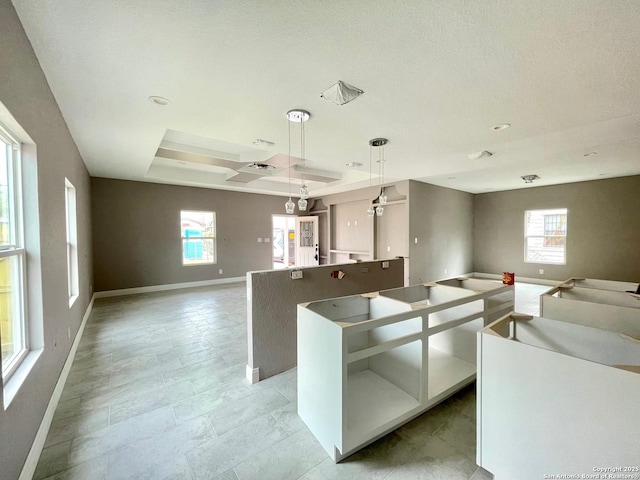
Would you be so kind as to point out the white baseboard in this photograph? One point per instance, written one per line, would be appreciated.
(171, 286)
(253, 374)
(538, 281)
(31, 462)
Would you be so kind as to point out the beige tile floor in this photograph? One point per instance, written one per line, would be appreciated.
(157, 391)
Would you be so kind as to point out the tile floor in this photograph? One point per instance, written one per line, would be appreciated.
(157, 391)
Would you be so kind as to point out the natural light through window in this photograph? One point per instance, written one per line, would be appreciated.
(198, 231)
(13, 334)
(72, 241)
(545, 236)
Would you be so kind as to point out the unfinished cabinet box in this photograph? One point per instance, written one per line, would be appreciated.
(612, 310)
(498, 297)
(368, 364)
(555, 398)
(613, 285)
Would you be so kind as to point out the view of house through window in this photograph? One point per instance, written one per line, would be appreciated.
(545, 236)
(198, 231)
(13, 335)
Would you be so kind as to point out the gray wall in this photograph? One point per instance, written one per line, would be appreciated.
(136, 233)
(603, 230)
(25, 92)
(442, 221)
(273, 298)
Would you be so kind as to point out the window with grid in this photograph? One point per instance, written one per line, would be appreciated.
(545, 236)
(198, 233)
(13, 326)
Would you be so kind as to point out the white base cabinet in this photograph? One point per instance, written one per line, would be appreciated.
(614, 310)
(370, 363)
(556, 398)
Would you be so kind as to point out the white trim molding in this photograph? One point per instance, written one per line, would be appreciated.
(253, 374)
(171, 286)
(31, 462)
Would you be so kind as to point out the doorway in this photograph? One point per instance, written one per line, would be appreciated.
(284, 241)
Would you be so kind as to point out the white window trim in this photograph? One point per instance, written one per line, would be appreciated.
(214, 239)
(31, 263)
(16, 249)
(526, 237)
(72, 241)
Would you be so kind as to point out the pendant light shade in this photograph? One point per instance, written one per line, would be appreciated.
(290, 207)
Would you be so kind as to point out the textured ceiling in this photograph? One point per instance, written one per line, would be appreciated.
(437, 75)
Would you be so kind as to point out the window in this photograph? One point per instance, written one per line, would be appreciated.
(13, 328)
(545, 236)
(72, 241)
(198, 231)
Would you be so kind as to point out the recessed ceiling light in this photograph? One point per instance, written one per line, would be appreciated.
(590, 154)
(159, 100)
(478, 155)
(451, 178)
(603, 174)
(353, 164)
(501, 126)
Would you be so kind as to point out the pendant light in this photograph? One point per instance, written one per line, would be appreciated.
(298, 116)
(289, 207)
(370, 211)
(379, 143)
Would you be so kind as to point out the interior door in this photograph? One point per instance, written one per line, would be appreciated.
(307, 247)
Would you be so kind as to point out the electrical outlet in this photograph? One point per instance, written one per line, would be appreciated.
(267, 240)
(385, 264)
(541, 271)
(220, 272)
(415, 240)
(388, 248)
(296, 274)
(259, 239)
(445, 271)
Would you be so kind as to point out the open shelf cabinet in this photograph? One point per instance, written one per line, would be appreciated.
(370, 363)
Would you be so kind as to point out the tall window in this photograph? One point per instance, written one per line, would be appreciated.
(545, 236)
(72, 241)
(13, 329)
(198, 231)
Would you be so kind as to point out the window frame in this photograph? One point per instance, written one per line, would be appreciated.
(15, 250)
(71, 218)
(203, 238)
(548, 240)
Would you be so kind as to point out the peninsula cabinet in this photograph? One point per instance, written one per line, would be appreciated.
(555, 397)
(618, 311)
(369, 363)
